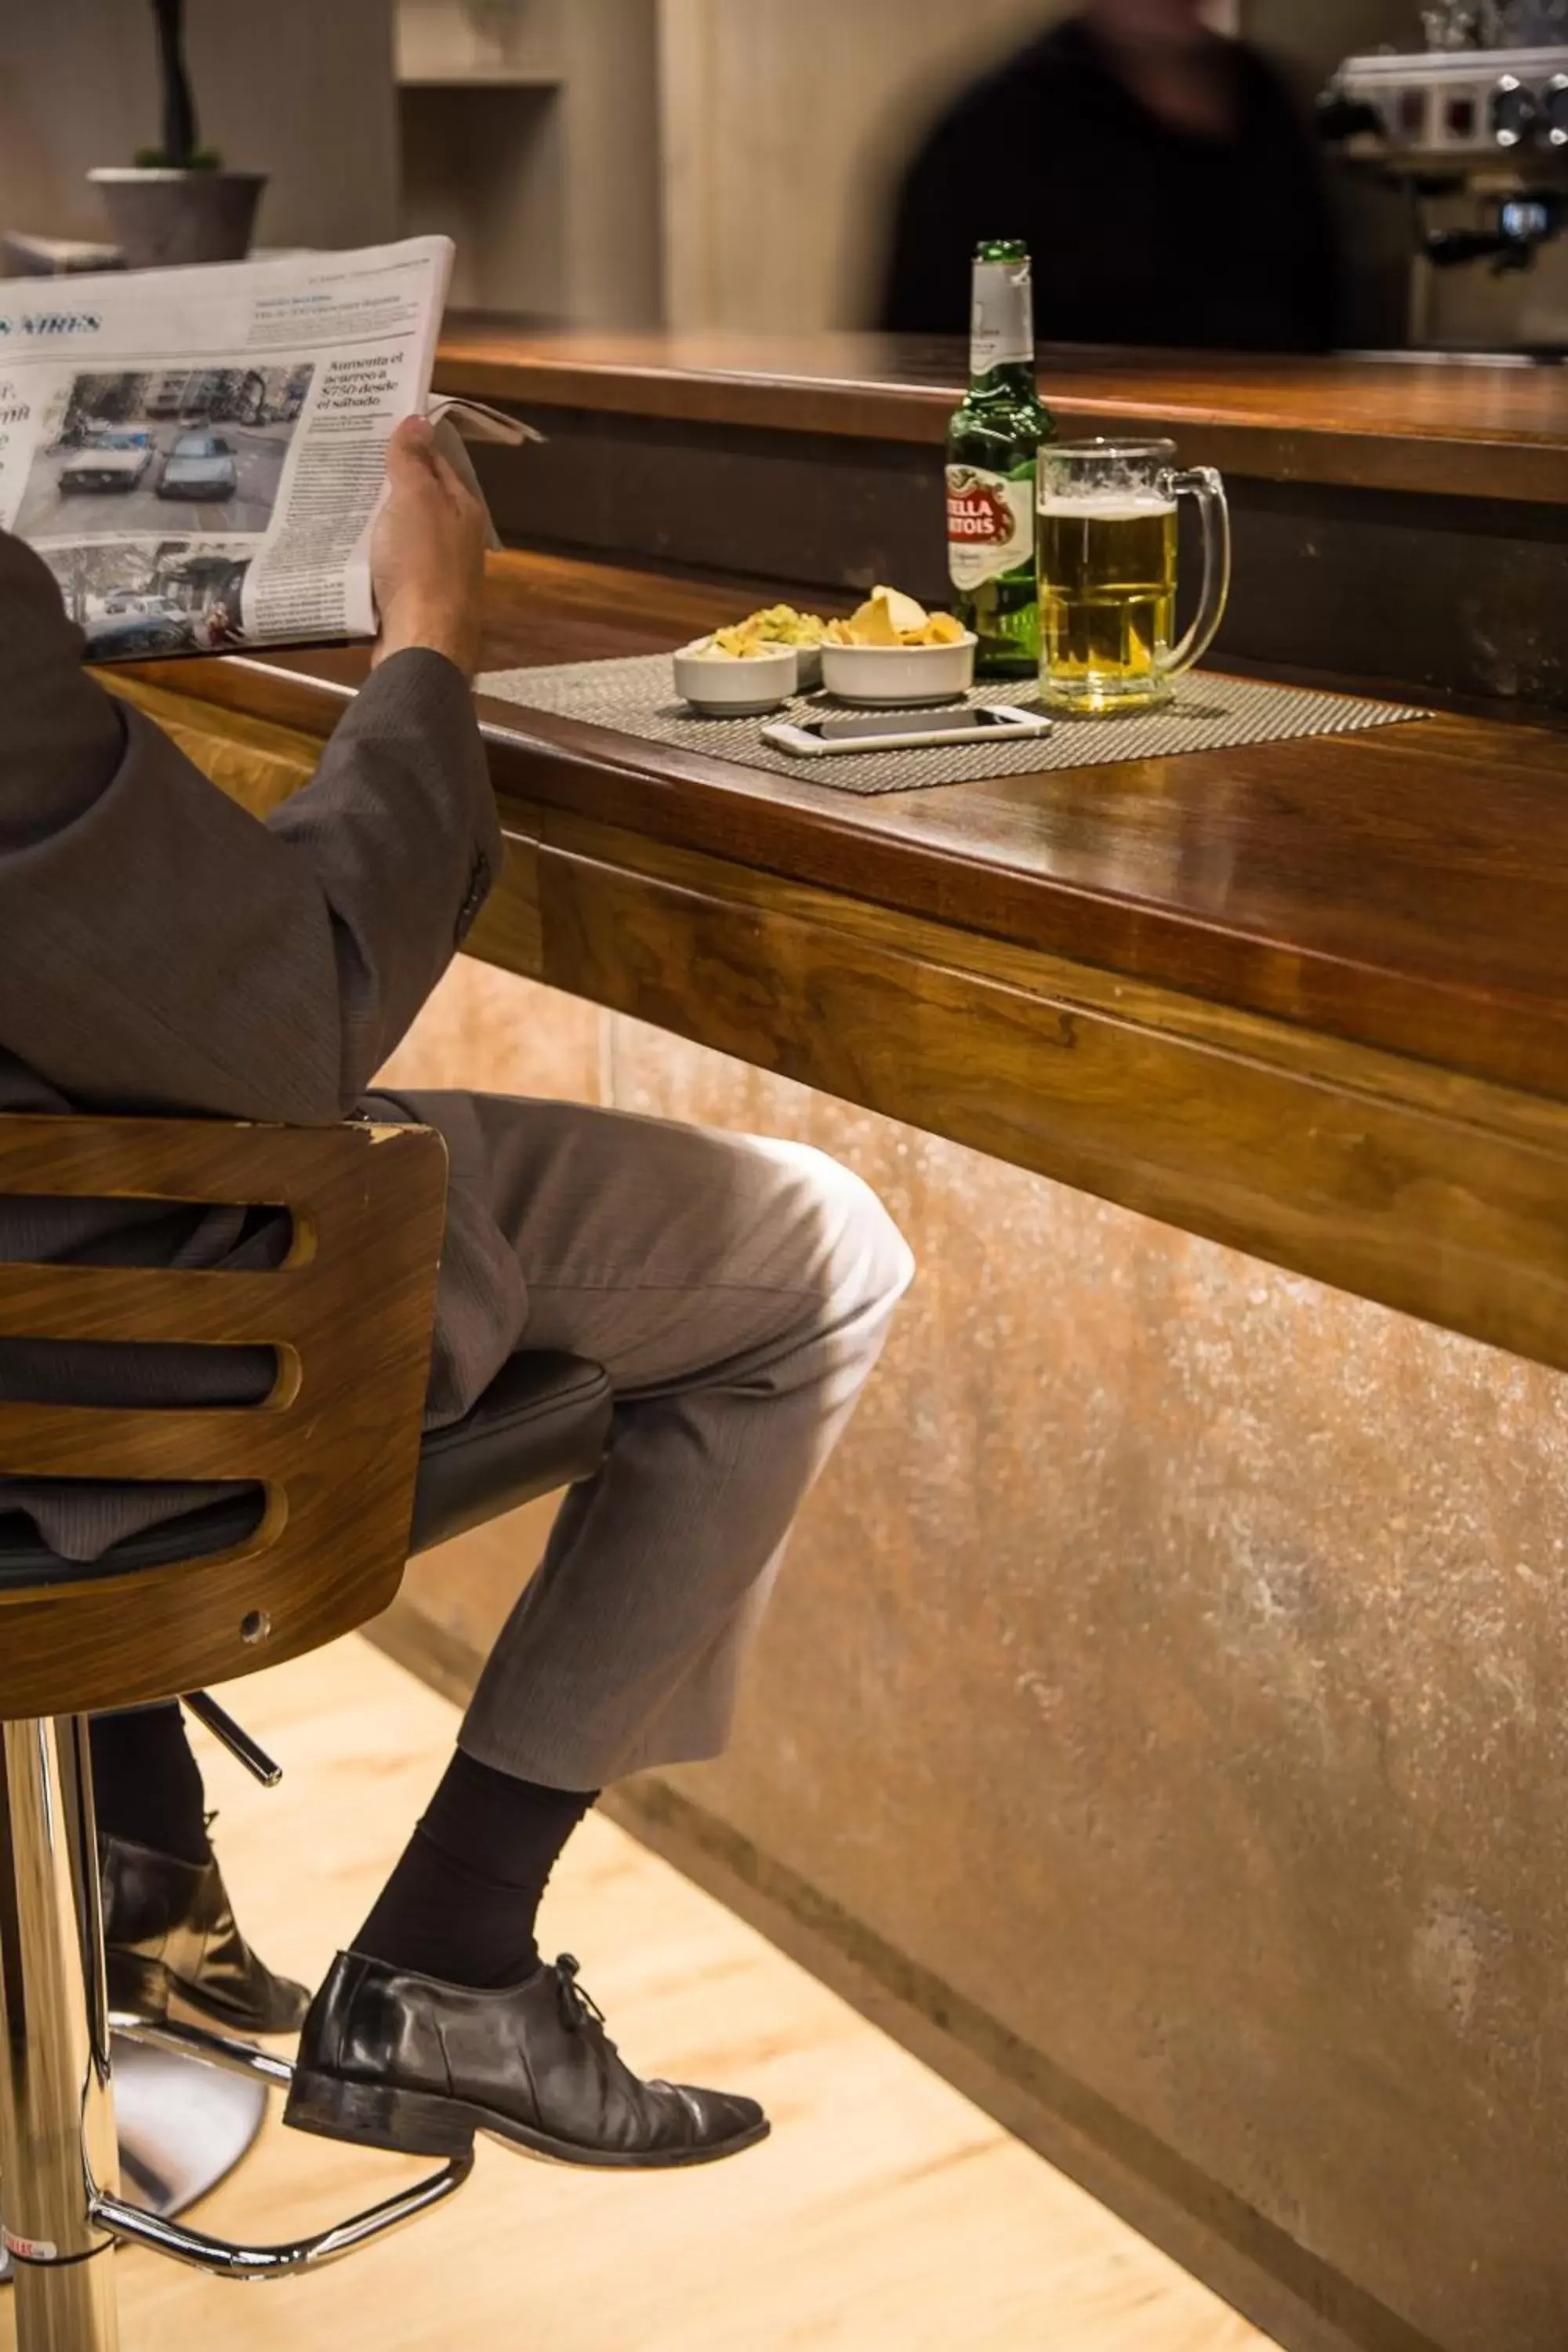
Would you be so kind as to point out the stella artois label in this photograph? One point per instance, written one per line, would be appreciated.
(990, 525)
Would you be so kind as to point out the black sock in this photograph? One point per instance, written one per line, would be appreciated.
(462, 1903)
(147, 1784)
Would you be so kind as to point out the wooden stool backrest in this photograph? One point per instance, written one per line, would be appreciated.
(336, 1445)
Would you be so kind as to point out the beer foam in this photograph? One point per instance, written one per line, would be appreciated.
(1108, 506)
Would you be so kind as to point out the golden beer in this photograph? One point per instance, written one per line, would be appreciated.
(1105, 515)
(1108, 598)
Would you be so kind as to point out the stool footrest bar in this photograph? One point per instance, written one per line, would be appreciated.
(213, 2048)
(234, 1738)
(221, 2259)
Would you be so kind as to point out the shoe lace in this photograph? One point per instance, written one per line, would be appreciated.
(577, 2004)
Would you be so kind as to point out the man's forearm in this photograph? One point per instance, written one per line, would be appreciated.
(400, 826)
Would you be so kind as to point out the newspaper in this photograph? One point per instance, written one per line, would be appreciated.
(198, 454)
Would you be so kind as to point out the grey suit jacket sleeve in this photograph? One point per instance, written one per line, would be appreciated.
(159, 947)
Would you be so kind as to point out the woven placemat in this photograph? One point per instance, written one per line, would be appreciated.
(1209, 713)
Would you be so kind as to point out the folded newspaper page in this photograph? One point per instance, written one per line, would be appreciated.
(198, 454)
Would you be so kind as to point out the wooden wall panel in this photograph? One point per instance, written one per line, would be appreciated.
(782, 131)
(531, 135)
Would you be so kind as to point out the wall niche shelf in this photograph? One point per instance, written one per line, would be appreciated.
(497, 80)
(529, 135)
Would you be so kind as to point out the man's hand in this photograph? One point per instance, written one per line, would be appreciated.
(428, 553)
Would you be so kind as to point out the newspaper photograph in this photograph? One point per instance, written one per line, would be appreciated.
(198, 454)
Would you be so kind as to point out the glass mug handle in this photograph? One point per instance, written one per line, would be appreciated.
(1204, 485)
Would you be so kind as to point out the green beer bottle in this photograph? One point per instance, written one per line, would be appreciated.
(991, 446)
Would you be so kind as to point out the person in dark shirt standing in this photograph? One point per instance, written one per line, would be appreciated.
(1167, 187)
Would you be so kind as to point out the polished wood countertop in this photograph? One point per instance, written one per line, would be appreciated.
(1436, 427)
(1405, 888)
(1309, 1000)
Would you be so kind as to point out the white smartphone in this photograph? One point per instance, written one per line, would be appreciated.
(902, 730)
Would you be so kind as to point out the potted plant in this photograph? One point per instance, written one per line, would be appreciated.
(176, 202)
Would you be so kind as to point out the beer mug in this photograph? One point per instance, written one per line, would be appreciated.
(1106, 537)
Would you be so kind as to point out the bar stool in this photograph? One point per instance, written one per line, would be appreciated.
(327, 1492)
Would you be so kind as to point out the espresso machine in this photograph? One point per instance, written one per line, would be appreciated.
(1473, 131)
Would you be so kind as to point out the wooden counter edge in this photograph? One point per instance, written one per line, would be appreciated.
(1439, 1195)
(700, 803)
(1283, 448)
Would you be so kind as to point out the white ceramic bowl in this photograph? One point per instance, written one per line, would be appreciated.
(906, 674)
(727, 687)
(808, 660)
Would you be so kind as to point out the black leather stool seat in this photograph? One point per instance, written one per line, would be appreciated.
(544, 1422)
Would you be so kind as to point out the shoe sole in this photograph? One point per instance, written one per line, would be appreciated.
(419, 2123)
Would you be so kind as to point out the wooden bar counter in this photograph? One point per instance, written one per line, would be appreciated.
(1161, 1727)
(1439, 426)
(1397, 521)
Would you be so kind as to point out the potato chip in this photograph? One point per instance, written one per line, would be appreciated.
(907, 618)
(739, 644)
(873, 623)
(887, 618)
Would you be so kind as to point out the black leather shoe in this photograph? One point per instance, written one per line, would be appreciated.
(172, 1943)
(392, 2061)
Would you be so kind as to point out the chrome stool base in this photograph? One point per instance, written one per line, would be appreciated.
(188, 2106)
(182, 2126)
(257, 2072)
(60, 2048)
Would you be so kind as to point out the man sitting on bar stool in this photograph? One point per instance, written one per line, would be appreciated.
(160, 948)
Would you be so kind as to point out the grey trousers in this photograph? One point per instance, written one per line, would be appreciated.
(738, 1292)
